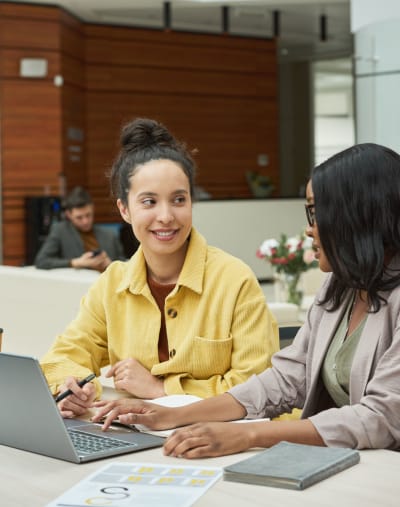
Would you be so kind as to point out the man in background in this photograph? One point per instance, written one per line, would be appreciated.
(76, 242)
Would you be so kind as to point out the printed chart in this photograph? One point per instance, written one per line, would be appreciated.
(121, 484)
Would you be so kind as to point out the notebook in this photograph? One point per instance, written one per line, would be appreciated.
(291, 466)
(30, 420)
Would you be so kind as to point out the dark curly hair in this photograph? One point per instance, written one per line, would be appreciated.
(143, 140)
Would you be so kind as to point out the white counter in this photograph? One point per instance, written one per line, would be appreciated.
(36, 305)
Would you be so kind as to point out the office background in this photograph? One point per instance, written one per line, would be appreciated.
(246, 100)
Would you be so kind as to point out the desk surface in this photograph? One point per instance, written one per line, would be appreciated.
(32, 480)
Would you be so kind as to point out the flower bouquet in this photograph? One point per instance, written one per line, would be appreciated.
(289, 257)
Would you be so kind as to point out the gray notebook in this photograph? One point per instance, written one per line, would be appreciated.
(292, 466)
(30, 420)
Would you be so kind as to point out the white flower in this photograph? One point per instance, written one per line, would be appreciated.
(267, 246)
(307, 243)
(292, 244)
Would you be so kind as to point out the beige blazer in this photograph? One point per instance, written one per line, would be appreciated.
(372, 420)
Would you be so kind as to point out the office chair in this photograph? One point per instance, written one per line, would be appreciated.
(286, 335)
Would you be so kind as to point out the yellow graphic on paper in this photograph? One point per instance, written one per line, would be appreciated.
(197, 482)
(165, 480)
(176, 471)
(209, 473)
(146, 470)
(99, 501)
(135, 478)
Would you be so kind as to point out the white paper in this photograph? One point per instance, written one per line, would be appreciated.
(120, 484)
(180, 400)
(173, 400)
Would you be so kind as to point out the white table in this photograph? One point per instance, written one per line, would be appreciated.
(31, 480)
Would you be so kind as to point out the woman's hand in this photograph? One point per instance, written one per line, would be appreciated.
(128, 411)
(203, 440)
(79, 401)
(131, 376)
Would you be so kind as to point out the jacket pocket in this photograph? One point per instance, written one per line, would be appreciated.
(210, 357)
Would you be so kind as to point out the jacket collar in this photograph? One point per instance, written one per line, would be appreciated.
(191, 276)
(364, 355)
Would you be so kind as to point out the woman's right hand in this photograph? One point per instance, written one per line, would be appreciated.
(206, 440)
(134, 411)
(81, 399)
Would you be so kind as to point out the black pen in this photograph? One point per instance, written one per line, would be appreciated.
(81, 383)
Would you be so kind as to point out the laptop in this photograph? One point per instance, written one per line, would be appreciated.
(30, 420)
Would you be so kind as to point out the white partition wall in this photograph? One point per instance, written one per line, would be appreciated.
(240, 226)
(367, 12)
(377, 71)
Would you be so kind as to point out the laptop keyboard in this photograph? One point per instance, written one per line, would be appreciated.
(89, 444)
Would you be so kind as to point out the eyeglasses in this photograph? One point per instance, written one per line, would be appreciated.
(310, 214)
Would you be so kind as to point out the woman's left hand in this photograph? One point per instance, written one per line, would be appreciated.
(131, 376)
(203, 440)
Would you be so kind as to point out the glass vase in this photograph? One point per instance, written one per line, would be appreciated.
(287, 289)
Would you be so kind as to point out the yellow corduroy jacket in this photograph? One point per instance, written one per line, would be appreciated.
(220, 330)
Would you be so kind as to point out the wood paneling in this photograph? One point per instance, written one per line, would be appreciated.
(158, 81)
(35, 34)
(31, 117)
(28, 12)
(199, 55)
(10, 62)
(216, 92)
(124, 34)
(223, 134)
(73, 103)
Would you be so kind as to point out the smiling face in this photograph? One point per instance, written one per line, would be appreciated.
(312, 232)
(159, 207)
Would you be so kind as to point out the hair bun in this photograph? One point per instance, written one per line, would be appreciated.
(143, 140)
(144, 133)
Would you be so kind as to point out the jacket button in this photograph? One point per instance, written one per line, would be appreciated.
(172, 353)
(172, 313)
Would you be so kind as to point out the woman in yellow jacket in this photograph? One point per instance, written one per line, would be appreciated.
(180, 316)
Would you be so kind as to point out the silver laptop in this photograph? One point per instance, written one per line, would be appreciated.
(30, 420)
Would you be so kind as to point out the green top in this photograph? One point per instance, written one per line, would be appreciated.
(338, 360)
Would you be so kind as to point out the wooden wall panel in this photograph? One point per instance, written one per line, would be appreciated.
(74, 153)
(73, 103)
(35, 34)
(216, 92)
(180, 81)
(225, 130)
(10, 62)
(28, 12)
(197, 55)
(72, 36)
(31, 117)
(112, 33)
(14, 241)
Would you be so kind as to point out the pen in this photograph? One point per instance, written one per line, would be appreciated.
(81, 383)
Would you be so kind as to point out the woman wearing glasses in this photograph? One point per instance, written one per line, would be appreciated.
(343, 368)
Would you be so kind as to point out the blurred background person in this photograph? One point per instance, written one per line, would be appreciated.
(77, 242)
